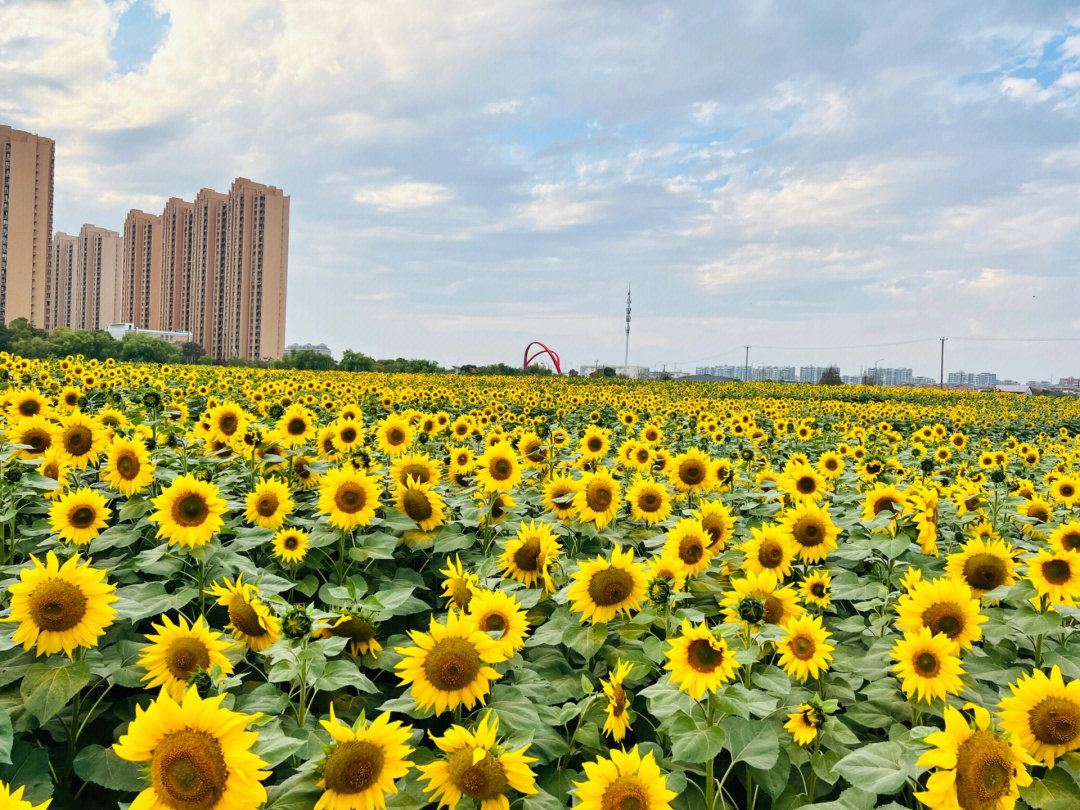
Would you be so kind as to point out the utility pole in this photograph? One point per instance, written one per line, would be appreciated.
(746, 369)
(941, 368)
(626, 351)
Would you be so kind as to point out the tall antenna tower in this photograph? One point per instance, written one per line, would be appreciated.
(626, 351)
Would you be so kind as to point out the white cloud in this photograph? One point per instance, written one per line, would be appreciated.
(504, 107)
(1071, 46)
(556, 206)
(760, 263)
(1038, 215)
(1025, 89)
(400, 196)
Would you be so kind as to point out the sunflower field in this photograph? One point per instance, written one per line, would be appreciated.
(236, 589)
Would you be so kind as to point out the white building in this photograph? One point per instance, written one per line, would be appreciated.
(118, 330)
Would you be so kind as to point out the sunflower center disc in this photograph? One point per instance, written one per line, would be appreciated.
(228, 424)
(1055, 721)
(691, 473)
(945, 617)
(808, 533)
(802, 647)
(625, 793)
(806, 485)
(184, 656)
(188, 770)
(482, 781)
(1056, 572)
(691, 551)
(355, 628)
(610, 587)
(985, 572)
(291, 542)
(353, 766)
(984, 768)
(527, 557)
(78, 440)
(770, 555)
(28, 408)
(774, 610)
(127, 466)
(495, 623)
(1071, 541)
(452, 664)
(598, 497)
(267, 505)
(417, 471)
(649, 502)
(417, 506)
(191, 510)
(244, 617)
(296, 427)
(350, 498)
(818, 590)
(395, 436)
(83, 517)
(927, 664)
(702, 656)
(57, 605)
(37, 441)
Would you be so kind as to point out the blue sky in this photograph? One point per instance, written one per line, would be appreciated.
(468, 176)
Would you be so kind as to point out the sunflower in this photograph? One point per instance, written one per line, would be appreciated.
(922, 502)
(945, 606)
(559, 496)
(976, 767)
(81, 438)
(984, 565)
(690, 543)
(498, 469)
(534, 450)
(305, 475)
(1067, 490)
(804, 650)
(927, 665)
(227, 422)
(359, 629)
(1043, 714)
(364, 763)
(529, 554)
(199, 755)
(79, 516)
(393, 435)
(690, 471)
(816, 588)
(594, 444)
(26, 404)
(477, 767)
(179, 650)
(770, 548)
(447, 666)
(602, 588)
(717, 520)
(460, 586)
(1039, 510)
(804, 724)
(60, 607)
(830, 464)
(349, 496)
(291, 545)
(417, 466)
(296, 426)
(617, 714)
(883, 498)
(802, 482)
(649, 501)
(421, 504)
(780, 603)
(1065, 537)
(127, 466)
(250, 621)
(189, 511)
(501, 616)
(268, 504)
(13, 799)
(1056, 575)
(36, 433)
(670, 568)
(597, 498)
(699, 661)
(627, 781)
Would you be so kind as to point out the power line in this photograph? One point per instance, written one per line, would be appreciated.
(1020, 340)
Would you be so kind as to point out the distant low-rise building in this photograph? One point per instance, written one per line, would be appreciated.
(983, 379)
(119, 330)
(318, 348)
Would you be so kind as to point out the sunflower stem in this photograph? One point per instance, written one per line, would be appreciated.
(710, 766)
(812, 790)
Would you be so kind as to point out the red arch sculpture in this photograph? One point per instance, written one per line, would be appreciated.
(527, 358)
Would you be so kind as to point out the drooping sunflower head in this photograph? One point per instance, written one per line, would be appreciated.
(178, 650)
(459, 585)
(421, 503)
(250, 621)
(717, 520)
(804, 724)
(529, 553)
(361, 630)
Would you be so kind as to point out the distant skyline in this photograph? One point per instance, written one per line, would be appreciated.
(467, 177)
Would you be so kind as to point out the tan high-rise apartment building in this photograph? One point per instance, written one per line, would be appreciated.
(208, 271)
(26, 210)
(86, 279)
(140, 301)
(176, 257)
(256, 271)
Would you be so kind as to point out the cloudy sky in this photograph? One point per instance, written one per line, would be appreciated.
(468, 176)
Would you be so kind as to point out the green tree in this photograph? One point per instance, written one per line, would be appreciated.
(192, 351)
(146, 349)
(356, 361)
(95, 345)
(307, 360)
(830, 376)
